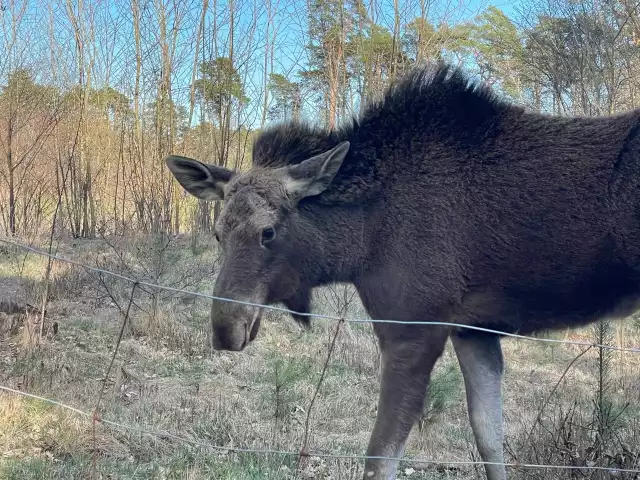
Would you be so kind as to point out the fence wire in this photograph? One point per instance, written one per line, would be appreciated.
(288, 453)
(316, 315)
(304, 452)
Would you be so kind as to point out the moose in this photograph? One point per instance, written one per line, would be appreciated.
(443, 202)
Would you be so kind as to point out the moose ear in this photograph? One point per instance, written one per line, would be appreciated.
(315, 174)
(205, 182)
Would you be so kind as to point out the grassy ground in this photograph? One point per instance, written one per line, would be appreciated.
(166, 379)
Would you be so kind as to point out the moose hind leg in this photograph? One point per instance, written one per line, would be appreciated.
(406, 369)
(481, 362)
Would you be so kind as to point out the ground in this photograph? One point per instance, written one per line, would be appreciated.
(166, 379)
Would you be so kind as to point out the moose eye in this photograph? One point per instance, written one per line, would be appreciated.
(268, 234)
(217, 237)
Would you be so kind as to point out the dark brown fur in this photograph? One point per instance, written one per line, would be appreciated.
(527, 218)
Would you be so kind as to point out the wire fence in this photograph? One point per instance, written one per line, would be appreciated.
(317, 315)
(289, 453)
(304, 452)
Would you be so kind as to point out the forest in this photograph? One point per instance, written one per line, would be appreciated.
(94, 95)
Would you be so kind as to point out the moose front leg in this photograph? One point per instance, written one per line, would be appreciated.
(406, 369)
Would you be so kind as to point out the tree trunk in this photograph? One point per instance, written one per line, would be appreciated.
(396, 38)
(12, 193)
(265, 71)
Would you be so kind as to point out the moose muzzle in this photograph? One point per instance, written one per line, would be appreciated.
(234, 325)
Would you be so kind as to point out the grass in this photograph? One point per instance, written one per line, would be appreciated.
(166, 379)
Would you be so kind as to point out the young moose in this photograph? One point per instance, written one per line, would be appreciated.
(441, 202)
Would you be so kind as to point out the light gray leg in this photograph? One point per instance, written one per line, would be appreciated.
(406, 369)
(480, 358)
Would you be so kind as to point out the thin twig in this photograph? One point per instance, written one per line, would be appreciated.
(546, 402)
(304, 451)
(115, 350)
(61, 189)
(95, 418)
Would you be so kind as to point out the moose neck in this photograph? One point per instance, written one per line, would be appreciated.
(334, 242)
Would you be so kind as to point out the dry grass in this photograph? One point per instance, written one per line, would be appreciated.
(166, 379)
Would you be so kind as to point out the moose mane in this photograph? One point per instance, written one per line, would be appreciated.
(437, 100)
